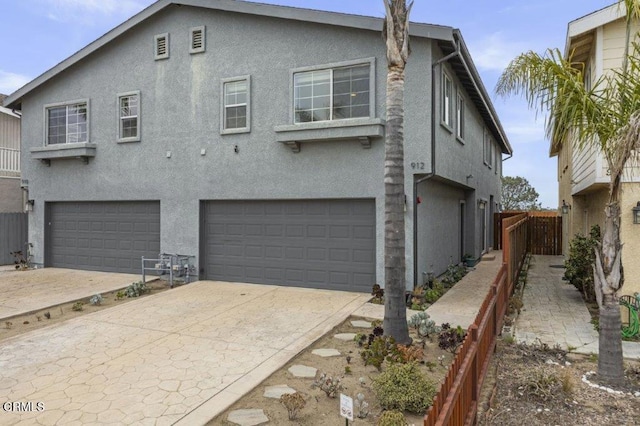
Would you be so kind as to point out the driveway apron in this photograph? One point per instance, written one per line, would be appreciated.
(180, 356)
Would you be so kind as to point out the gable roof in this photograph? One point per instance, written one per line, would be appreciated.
(443, 34)
(8, 112)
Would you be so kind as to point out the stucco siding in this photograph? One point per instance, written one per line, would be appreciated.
(10, 196)
(182, 158)
(630, 235)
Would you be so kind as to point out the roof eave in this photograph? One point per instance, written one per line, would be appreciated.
(260, 9)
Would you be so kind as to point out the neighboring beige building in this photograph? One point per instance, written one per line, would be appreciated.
(597, 40)
(11, 196)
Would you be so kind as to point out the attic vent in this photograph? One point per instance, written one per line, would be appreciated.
(161, 46)
(197, 40)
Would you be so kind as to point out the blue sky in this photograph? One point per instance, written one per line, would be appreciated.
(37, 34)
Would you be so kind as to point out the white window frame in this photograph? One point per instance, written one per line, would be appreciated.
(202, 48)
(460, 117)
(119, 117)
(332, 66)
(446, 103)
(46, 108)
(156, 38)
(223, 106)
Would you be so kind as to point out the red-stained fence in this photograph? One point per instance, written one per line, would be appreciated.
(457, 401)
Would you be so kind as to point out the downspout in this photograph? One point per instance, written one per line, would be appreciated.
(432, 172)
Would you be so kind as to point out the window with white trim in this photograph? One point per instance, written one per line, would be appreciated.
(335, 93)
(460, 109)
(236, 97)
(129, 117)
(487, 149)
(447, 101)
(67, 123)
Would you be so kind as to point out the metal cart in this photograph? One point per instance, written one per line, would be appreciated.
(173, 268)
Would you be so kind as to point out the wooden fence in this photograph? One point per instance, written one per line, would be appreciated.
(457, 401)
(13, 235)
(545, 231)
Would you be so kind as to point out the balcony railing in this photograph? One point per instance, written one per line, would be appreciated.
(9, 162)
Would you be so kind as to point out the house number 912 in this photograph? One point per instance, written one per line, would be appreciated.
(417, 166)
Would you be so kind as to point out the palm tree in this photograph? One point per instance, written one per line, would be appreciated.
(396, 36)
(607, 116)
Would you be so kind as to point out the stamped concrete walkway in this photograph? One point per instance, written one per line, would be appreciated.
(555, 313)
(26, 291)
(178, 357)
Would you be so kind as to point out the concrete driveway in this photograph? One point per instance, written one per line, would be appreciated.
(27, 291)
(181, 356)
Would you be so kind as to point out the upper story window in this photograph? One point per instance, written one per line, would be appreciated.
(447, 100)
(129, 117)
(488, 149)
(333, 93)
(67, 122)
(236, 97)
(460, 107)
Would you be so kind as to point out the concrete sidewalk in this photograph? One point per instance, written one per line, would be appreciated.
(181, 356)
(27, 291)
(555, 313)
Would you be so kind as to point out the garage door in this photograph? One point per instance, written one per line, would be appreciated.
(326, 244)
(102, 236)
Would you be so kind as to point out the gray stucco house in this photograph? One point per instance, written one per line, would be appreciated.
(252, 136)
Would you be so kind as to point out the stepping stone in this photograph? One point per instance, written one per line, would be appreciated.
(277, 391)
(361, 324)
(251, 417)
(303, 371)
(345, 336)
(326, 353)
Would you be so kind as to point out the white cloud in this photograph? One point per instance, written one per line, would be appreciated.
(87, 12)
(494, 52)
(10, 82)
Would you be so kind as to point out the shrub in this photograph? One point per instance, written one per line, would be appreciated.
(454, 274)
(136, 289)
(328, 385)
(424, 326)
(450, 338)
(78, 306)
(579, 265)
(392, 418)
(403, 387)
(377, 350)
(378, 294)
(293, 402)
(96, 300)
(515, 305)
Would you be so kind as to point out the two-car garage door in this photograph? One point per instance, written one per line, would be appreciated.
(102, 236)
(304, 243)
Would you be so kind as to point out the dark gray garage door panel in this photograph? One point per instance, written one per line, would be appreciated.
(102, 236)
(305, 243)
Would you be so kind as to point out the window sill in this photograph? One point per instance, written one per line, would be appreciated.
(362, 129)
(235, 131)
(447, 127)
(460, 140)
(83, 150)
(128, 140)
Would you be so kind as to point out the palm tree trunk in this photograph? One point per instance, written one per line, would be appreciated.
(608, 277)
(396, 35)
(395, 318)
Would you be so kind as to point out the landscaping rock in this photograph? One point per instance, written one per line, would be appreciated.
(277, 391)
(345, 336)
(250, 417)
(326, 353)
(361, 324)
(303, 371)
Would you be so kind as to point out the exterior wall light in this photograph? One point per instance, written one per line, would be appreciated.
(28, 206)
(636, 214)
(565, 207)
